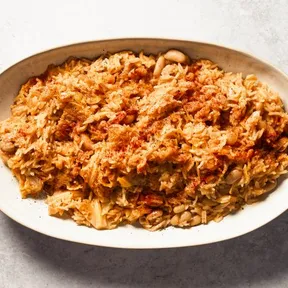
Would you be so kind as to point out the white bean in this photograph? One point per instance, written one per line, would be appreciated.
(7, 146)
(160, 64)
(185, 217)
(234, 176)
(176, 56)
(232, 138)
(196, 220)
(175, 220)
(179, 209)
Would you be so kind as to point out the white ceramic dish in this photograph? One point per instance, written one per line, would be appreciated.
(33, 214)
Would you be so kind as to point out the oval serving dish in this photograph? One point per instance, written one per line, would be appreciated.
(35, 216)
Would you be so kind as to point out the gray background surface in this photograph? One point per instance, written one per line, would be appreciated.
(258, 259)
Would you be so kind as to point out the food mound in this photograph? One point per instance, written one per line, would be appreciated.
(159, 140)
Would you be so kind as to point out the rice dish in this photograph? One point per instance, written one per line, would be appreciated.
(156, 140)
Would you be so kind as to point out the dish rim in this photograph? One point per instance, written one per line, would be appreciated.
(211, 44)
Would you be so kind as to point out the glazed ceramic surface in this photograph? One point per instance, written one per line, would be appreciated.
(33, 213)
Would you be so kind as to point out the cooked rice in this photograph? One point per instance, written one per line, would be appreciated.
(112, 143)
